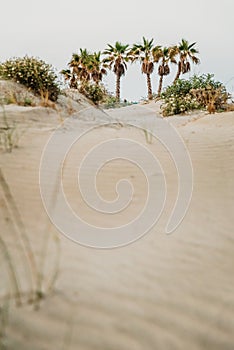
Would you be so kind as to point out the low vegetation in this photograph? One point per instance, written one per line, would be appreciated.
(94, 92)
(110, 101)
(24, 270)
(198, 92)
(12, 93)
(9, 134)
(38, 76)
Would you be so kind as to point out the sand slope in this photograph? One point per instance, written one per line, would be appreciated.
(162, 292)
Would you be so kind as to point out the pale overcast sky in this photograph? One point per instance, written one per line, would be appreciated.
(53, 30)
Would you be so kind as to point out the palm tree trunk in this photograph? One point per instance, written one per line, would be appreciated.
(117, 90)
(150, 95)
(160, 85)
(178, 73)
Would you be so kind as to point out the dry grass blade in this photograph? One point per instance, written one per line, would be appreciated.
(12, 207)
(12, 271)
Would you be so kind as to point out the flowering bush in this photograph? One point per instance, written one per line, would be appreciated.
(196, 93)
(179, 104)
(34, 73)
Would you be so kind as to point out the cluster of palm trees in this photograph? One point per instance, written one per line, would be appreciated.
(85, 67)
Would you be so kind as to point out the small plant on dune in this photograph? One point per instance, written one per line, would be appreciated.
(9, 135)
(4, 314)
(45, 101)
(148, 136)
(94, 92)
(14, 98)
(33, 73)
(215, 99)
(9, 138)
(25, 280)
(198, 92)
(11, 93)
(28, 102)
(110, 101)
(9, 98)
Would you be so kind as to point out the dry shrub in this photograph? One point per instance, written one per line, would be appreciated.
(214, 99)
(45, 101)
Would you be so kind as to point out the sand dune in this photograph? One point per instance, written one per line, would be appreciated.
(161, 292)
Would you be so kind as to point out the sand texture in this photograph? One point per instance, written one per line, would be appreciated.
(164, 292)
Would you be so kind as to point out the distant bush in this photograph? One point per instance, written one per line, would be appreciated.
(198, 92)
(111, 101)
(94, 92)
(98, 94)
(33, 73)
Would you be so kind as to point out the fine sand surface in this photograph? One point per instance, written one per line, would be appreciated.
(161, 292)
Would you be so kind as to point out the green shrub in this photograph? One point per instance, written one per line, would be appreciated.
(34, 73)
(111, 101)
(179, 104)
(28, 102)
(94, 92)
(198, 92)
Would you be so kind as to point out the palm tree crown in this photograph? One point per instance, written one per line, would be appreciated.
(70, 77)
(96, 67)
(79, 65)
(186, 53)
(85, 67)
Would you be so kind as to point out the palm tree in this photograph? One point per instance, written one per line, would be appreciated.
(96, 67)
(69, 76)
(79, 65)
(186, 53)
(163, 56)
(85, 66)
(143, 53)
(117, 58)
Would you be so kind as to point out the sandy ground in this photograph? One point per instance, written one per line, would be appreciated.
(161, 292)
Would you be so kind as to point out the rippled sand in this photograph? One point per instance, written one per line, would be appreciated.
(161, 292)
